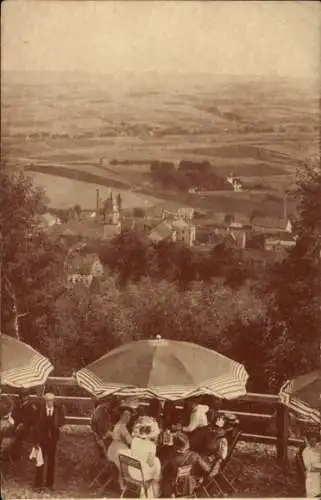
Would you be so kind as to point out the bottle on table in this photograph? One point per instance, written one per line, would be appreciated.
(168, 438)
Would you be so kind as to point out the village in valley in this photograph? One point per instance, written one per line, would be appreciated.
(262, 238)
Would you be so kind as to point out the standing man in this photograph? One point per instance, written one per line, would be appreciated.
(24, 414)
(46, 435)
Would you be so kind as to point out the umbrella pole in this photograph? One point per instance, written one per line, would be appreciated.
(320, 417)
(1, 251)
(282, 428)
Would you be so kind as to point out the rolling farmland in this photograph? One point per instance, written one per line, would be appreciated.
(68, 132)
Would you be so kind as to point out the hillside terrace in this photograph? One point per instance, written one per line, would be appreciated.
(259, 473)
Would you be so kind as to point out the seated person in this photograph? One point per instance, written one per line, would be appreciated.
(182, 456)
(311, 456)
(6, 419)
(143, 448)
(155, 409)
(121, 438)
(136, 408)
(24, 410)
(217, 445)
(101, 423)
(198, 425)
(214, 405)
(24, 413)
(173, 414)
(7, 425)
(198, 416)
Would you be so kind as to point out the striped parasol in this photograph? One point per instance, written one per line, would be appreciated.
(163, 369)
(21, 365)
(302, 395)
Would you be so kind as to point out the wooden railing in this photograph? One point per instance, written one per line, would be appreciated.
(281, 439)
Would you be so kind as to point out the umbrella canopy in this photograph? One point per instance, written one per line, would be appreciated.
(302, 395)
(165, 369)
(21, 365)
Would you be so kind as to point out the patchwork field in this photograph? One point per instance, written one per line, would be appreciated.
(68, 130)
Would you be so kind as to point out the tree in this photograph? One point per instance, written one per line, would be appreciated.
(163, 172)
(202, 314)
(31, 262)
(20, 202)
(128, 256)
(294, 287)
(77, 210)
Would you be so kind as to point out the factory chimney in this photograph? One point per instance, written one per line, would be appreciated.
(97, 201)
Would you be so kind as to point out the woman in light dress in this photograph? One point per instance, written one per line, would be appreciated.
(198, 417)
(121, 438)
(311, 456)
(143, 448)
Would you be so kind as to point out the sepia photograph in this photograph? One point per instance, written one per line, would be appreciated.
(160, 249)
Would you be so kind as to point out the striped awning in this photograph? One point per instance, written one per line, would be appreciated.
(21, 365)
(163, 369)
(302, 395)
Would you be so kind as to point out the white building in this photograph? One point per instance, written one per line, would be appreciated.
(185, 231)
(236, 183)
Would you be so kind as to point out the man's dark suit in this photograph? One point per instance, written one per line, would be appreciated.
(46, 435)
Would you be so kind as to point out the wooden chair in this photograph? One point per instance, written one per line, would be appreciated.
(130, 484)
(222, 472)
(300, 470)
(106, 469)
(183, 487)
(226, 467)
(205, 487)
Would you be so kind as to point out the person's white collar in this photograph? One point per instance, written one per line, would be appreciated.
(49, 410)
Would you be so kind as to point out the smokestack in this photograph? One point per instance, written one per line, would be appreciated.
(97, 201)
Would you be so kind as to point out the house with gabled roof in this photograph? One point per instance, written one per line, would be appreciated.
(48, 220)
(162, 232)
(83, 268)
(280, 240)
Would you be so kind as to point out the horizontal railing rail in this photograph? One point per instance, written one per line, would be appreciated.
(279, 412)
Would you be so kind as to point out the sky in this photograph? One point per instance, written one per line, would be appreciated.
(263, 38)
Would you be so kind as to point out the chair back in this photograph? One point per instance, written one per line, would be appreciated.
(183, 484)
(215, 469)
(223, 448)
(230, 450)
(211, 416)
(300, 465)
(127, 465)
(183, 471)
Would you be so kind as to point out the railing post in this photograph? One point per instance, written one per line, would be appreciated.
(282, 432)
